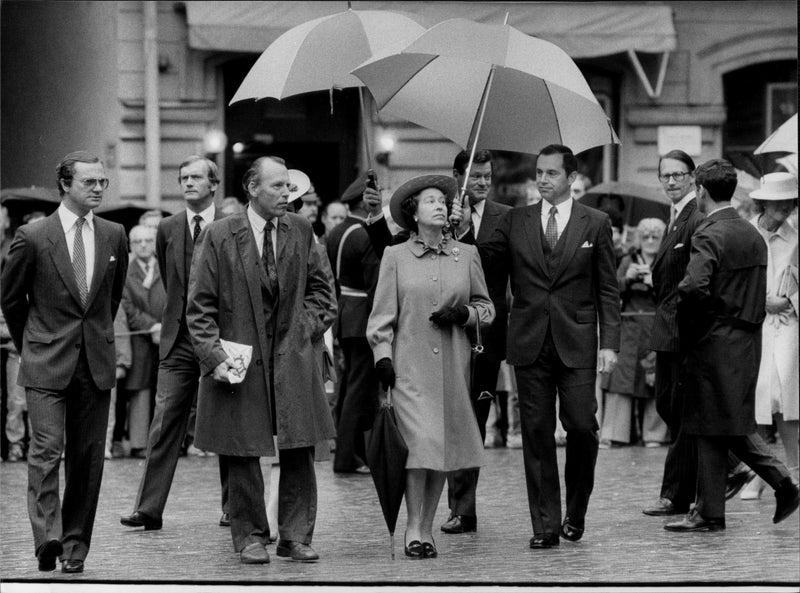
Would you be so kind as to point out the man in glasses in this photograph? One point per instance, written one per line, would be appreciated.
(178, 369)
(62, 286)
(676, 174)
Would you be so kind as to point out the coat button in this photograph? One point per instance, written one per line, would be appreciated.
(77, 346)
(258, 362)
(434, 278)
(433, 256)
(436, 351)
(434, 302)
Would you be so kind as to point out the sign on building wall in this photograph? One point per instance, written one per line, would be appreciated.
(686, 138)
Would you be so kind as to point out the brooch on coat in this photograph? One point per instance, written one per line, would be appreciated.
(456, 252)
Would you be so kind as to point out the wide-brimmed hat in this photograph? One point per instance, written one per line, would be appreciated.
(300, 184)
(447, 185)
(776, 186)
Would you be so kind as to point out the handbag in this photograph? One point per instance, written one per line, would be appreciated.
(477, 355)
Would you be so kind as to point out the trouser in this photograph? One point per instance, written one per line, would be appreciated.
(297, 498)
(712, 452)
(462, 485)
(16, 403)
(355, 408)
(538, 384)
(72, 420)
(178, 377)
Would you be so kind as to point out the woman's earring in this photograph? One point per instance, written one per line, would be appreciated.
(415, 219)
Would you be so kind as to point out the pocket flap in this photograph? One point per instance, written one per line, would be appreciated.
(40, 337)
(586, 316)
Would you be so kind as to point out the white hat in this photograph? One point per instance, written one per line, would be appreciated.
(776, 186)
(300, 184)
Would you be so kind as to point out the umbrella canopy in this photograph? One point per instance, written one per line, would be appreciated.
(784, 139)
(22, 200)
(386, 458)
(489, 86)
(638, 201)
(319, 55)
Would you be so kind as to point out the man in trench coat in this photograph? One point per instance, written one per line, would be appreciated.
(257, 279)
(721, 308)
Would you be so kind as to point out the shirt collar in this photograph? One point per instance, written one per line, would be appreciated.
(682, 204)
(68, 218)
(207, 215)
(564, 208)
(479, 207)
(256, 220)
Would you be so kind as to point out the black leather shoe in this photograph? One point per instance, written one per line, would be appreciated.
(663, 508)
(297, 551)
(138, 519)
(429, 550)
(543, 541)
(225, 520)
(47, 554)
(787, 499)
(460, 524)
(694, 521)
(570, 531)
(72, 566)
(254, 553)
(736, 481)
(414, 549)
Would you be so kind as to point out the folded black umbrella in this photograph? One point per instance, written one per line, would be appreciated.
(386, 458)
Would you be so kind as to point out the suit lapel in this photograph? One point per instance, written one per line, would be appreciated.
(488, 222)
(671, 238)
(533, 230)
(283, 235)
(178, 240)
(248, 254)
(59, 253)
(571, 237)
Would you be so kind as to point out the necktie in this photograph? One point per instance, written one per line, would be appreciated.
(475, 220)
(149, 275)
(673, 215)
(551, 232)
(268, 255)
(79, 261)
(197, 218)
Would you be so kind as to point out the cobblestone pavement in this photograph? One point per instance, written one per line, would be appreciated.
(621, 545)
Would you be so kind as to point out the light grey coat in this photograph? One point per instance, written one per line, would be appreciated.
(431, 393)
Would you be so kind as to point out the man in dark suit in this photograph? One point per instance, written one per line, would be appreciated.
(62, 286)
(561, 260)
(178, 370)
(679, 482)
(485, 216)
(259, 280)
(355, 267)
(721, 307)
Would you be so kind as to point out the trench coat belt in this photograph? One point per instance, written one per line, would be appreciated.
(352, 292)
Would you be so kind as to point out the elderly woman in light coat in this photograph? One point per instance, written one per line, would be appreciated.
(430, 289)
(778, 376)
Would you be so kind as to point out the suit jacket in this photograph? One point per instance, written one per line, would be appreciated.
(580, 295)
(668, 269)
(227, 301)
(42, 304)
(143, 309)
(357, 272)
(174, 248)
(721, 306)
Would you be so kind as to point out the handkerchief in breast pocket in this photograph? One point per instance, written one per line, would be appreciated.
(587, 245)
(678, 246)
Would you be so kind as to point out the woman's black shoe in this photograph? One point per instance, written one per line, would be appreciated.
(429, 550)
(415, 549)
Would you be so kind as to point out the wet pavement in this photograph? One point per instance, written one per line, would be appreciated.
(621, 545)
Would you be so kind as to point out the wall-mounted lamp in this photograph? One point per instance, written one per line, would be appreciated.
(214, 141)
(386, 143)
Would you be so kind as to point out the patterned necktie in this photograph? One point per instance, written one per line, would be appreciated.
(268, 255)
(551, 232)
(79, 261)
(196, 233)
(672, 217)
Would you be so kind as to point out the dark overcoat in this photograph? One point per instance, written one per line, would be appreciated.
(721, 304)
(225, 302)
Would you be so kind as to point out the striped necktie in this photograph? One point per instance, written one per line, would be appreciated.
(551, 231)
(79, 261)
(268, 255)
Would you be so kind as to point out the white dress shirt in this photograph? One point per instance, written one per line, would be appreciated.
(258, 225)
(207, 215)
(477, 215)
(68, 220)
(564, 211)
(682, 204)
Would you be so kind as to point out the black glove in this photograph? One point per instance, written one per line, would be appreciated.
(445, 316)
(385, 372)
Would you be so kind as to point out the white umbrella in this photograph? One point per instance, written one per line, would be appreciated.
(784, 139)
(489, 86)
(319, 54)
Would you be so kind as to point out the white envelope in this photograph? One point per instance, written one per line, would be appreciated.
(241, 355)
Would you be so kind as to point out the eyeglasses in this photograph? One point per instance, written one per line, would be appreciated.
(650, 237)
(143, 240)
(90, 183)
(676, 176)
